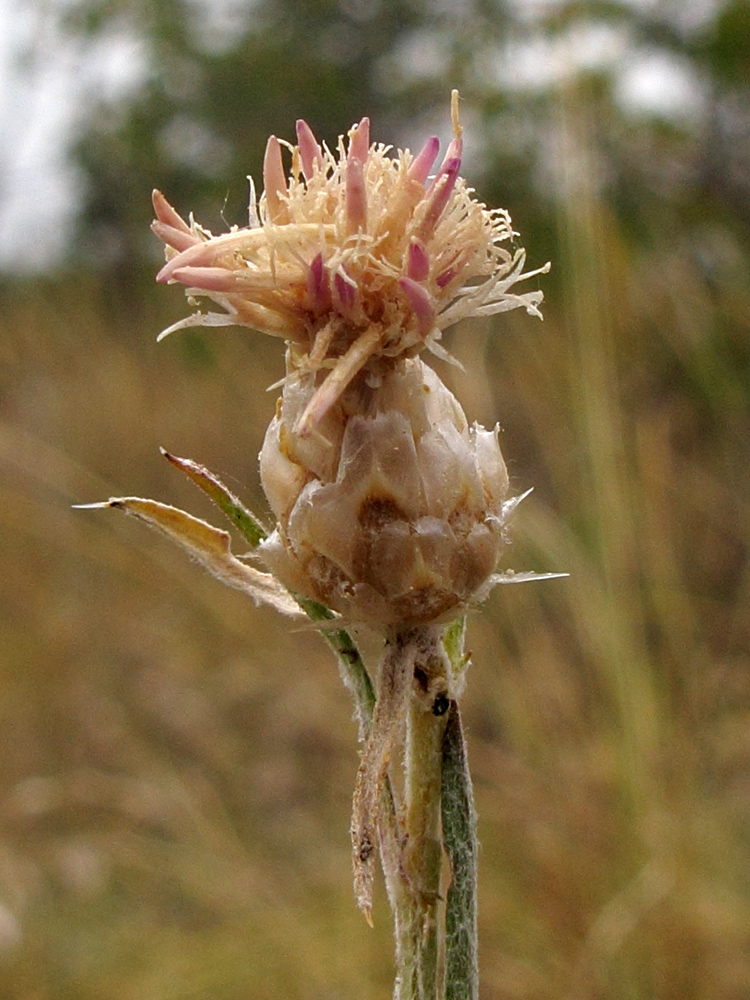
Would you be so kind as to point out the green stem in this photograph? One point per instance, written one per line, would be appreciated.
(352, 668)
(460, 840)
(422, 932)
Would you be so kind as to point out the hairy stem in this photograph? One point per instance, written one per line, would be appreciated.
(422, 932)
(460, 840)
(436, 944)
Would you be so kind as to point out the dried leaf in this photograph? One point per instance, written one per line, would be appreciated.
(511, 576)
(396, 671)
(209, 546)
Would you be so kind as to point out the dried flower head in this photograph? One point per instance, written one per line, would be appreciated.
(393, 513)
(390, 509)
(356, 259)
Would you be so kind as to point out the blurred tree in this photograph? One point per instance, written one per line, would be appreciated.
(219, 78)
(664, 85)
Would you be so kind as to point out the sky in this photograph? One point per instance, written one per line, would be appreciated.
(46, 83)
(38, 103)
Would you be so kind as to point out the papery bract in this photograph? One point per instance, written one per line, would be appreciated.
(356, 258)
(391, 514)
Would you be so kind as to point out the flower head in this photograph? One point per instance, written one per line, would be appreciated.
(389, 508)
(357, 258)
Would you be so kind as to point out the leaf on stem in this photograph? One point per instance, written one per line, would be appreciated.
(396, 672)
(210, 547)
(227, 502)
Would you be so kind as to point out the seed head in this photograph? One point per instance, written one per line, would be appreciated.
(393, 513)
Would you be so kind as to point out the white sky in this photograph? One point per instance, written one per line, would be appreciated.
(38, 101)
(44, 84)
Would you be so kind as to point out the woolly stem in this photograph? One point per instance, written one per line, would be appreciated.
(436, 942)
(460, 840)
(422, 932)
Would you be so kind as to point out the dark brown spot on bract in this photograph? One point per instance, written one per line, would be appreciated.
(376, 512)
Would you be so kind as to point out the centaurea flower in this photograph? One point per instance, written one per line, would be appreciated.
(390, 510)
(356, 259)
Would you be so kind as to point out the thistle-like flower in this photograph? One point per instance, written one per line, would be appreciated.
(390, 509)
(357, 260)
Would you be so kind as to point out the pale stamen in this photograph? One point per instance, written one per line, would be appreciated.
(454, 152)
(168, 215)
(422, 304)
(346, 368)
(197, 255)
(440, 195)
(347, 295)
(175, 238)
(423, 161)
(318, 291)
(359, 141)
(356, 197)
(274, 182)
(309, 149)
(418, 261)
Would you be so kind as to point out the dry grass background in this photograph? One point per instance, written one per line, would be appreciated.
(177, 766)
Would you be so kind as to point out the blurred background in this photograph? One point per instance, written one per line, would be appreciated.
(176, 766)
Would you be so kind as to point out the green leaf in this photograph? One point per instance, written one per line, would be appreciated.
(212, 486)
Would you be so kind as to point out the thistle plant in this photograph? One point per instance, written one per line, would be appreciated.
(390, 511)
